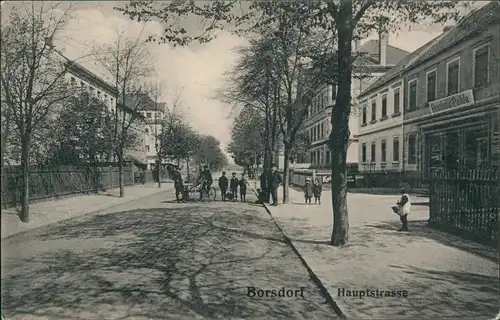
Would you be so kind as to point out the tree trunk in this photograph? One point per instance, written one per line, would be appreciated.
(25, 163)
(187, 168)
(286, 175)
(120, 177)
(159, 173)
(339, 139)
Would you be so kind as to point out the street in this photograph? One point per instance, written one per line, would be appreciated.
(156, 259)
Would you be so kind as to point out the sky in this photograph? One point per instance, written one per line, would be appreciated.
(198, 70)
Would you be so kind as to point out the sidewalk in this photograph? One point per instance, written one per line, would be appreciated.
(45, 213)
(444, 276)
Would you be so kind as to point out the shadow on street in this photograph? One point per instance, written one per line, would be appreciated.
(184, 261)
(420, 229)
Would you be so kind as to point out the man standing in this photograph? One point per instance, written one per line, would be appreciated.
(274, 183)
(264, 186)
(233, 185)
(178, 185)
(223, 184)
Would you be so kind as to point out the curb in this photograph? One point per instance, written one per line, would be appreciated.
(324, 292)
(77, 216)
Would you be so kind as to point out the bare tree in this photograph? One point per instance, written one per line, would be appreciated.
(128, 62)
(32, 78)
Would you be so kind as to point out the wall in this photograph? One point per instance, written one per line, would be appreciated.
(464, 51)
(377, 137)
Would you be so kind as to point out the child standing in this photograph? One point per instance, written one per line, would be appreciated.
(243, 188)
(404, 205)
(317, 188)
(308, 191)
(233, 185)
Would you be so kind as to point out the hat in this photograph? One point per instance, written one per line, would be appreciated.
(205, 166)
(308, 179)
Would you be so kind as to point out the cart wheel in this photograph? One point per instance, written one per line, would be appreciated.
(193, 193)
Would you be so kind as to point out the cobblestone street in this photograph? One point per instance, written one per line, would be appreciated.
(155, 259)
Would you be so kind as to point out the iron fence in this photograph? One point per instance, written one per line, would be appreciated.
(466, 202)
(59, 182)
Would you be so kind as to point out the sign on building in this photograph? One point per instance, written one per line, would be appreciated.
(462, 99)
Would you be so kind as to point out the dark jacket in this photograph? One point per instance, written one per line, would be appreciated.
(308, 190)
(274, 179)
(317, 188)
(207, 175)
(223, 182)
(243, 183)
(234, 183)
(264, 185)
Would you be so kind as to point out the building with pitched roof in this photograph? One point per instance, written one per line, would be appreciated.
(439, 107)
(376, 57)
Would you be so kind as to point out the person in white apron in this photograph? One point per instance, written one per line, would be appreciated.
(404, 209)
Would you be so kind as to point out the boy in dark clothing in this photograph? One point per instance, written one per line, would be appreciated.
(308, 191)
(243, 188)
(317, 188)
(233, 185)
(223, 184)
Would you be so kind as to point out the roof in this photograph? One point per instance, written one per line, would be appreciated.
(88, 75)
(480, 18)
(394, 54)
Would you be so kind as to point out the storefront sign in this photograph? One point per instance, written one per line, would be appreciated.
(462, 99)
(351, 178)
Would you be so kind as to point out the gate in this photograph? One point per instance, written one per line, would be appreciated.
(466, 203)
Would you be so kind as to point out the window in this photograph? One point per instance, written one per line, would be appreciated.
(452, 76)
(412, 95)
(364, 115)
(322, 131)
(373, 152)
(98, 93)
(363, 153)
(147, 148)
(383, 151)
(396, 101)
(328, 156)
(72, 80)
(384, 106)
(431, 85)
(148, 115)
(481, 58)
(82, 84)
(395, 149)
(374, 110)
(112, 101)
(146, 130)
(412, 148)
(312, 156)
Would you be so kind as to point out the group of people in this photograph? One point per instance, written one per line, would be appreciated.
(233, 185)
(270, 180)
(311, 190)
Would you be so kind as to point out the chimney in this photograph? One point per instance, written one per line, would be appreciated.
(383, 41)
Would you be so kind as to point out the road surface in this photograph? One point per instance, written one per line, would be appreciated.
(156, 259)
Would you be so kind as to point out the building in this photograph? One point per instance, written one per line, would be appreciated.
(79, 76)
(153, 117)
(452, 116)
(376, 57)
(380, 120)
(438, 108)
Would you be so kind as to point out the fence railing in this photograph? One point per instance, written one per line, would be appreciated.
(466, 202)
(61, 182)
